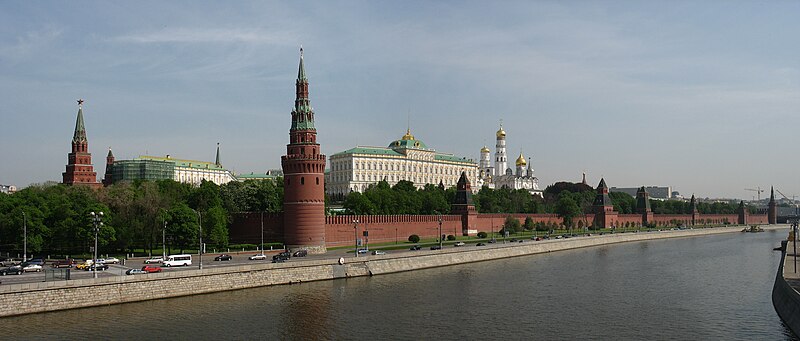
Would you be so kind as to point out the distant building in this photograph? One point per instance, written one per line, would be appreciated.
(79, 170)
(161, 168)
(355, 169)
(8, 189)
(655, 192)
(272, 175)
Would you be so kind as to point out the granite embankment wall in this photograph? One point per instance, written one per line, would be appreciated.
(785, 298)
(20, 299)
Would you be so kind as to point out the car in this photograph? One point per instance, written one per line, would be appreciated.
(135, 272)
(436, 247)
(112, 260)
(10, 261)
(151, 269)
(281, 257)
(62, 263)
(29, 267)
(480, 244)
(152, 260)
(513, 240)
(300, 253)
(101, 261)
(223, 257)
(378, 252)
(521, 240)
(276, 259)
(458, 244)
(492, 241)
(37, 261)
(363, 251)
(99, 267)
(11, 270)
(259, 256)
(415, 248)
(85, 265)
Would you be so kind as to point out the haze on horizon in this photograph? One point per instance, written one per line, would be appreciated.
(700, 96)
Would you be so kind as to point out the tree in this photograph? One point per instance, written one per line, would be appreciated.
(215, 222)
(528, 223)
(413, 238)
(567, 209)
(183, 226)
(512, 224)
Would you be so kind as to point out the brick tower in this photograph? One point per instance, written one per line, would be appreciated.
(643, 205)
(695, 211)
(107, 179)
(604, 214)
(79, 167)
(772, 208)
(303, 176)
(463, 205)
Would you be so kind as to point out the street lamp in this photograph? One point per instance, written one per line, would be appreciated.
(440, 231)
(24, 237)
(164, 241)
(97, 219)
(355, 235)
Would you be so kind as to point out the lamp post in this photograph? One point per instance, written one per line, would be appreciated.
(24, 237)
(440, 231)
(164, 241)
(200, 221)
(355, 235)
(97, 219)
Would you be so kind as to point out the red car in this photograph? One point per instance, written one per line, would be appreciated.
(151, 269)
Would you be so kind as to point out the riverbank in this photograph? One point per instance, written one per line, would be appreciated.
(785, 296)
(21, 299)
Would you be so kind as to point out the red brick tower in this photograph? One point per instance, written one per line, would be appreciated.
(79, 167)
(303, 176)
(107, 179)
(463, 205)
(772, 208)
(604, 214)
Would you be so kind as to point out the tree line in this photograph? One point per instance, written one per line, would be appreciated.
(136, 214)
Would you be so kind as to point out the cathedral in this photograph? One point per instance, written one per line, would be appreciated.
(500, 175)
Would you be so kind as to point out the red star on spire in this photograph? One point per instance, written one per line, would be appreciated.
(80, 102)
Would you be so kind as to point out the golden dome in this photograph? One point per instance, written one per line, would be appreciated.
(408, 135)
(521, 160)
(485, 150)
(501, 132)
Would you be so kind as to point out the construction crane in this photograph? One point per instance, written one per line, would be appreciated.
(758, 190)
(787, 198)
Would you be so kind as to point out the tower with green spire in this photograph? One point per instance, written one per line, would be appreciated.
(303, 176)
(79, 162)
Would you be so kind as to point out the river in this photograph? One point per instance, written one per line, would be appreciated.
(712, 287)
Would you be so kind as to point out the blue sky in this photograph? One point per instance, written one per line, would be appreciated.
(699, 95)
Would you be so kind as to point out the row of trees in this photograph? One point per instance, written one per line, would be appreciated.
(135, 215)
(402, 198)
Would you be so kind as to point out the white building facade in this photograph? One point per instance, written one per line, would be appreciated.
(499, 175)
(355, 169)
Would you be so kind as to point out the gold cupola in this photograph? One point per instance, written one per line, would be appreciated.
(485, 149)
(521, 160)
(408, 135)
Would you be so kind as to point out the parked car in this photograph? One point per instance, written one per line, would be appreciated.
(85, 265)
(151, 269)
(37, 261)
(10, 261)
(223, 257)
(97, 267)
(416, 247)
(513, 240)
(458, 244)
(378, 252)
(63, 263)
(281, 257)
(112, 260)
(30, 267)
(152, 260)
(480, 244)
(363, 251)
(135, 272)
(436, 247)
(300, 253)
(11, 270)
(259, 256)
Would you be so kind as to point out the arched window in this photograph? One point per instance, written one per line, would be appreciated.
(317, 180)
(302, 180)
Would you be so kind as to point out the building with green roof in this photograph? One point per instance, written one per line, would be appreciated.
(181, 170)
(407, 158)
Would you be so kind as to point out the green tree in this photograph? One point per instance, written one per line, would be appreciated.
(183, 226)
(215, 222)
(567, 209)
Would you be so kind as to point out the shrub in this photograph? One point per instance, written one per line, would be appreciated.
(451, 237)
(482, 234)
(413, 238)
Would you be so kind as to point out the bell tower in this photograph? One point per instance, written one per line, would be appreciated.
(303, 176)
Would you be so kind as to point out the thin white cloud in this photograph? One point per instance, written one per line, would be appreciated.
(30, 41)
(204, 35)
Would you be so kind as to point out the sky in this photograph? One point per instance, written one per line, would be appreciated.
(703, 96)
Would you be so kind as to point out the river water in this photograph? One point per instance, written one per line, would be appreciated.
(699, 288)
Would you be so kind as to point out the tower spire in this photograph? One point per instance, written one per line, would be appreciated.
(303, 114)
(301, 73)
(80, 129)
(216, 161)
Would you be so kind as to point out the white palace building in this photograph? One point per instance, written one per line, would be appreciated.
(355, 169)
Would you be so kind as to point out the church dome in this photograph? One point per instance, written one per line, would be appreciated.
(521, 160)
(501, 132)
(485, 150)
(408, 141)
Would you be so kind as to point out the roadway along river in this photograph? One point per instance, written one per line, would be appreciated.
(713, 287)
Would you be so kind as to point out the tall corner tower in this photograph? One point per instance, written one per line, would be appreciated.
(79, 162)
(303, 176)
(500, 159)
(772, 208)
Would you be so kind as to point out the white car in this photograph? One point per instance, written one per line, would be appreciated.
(259, 256)
(378, 252)
(112, 260)
(152, 260)
(458, 244)
(32, 268)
